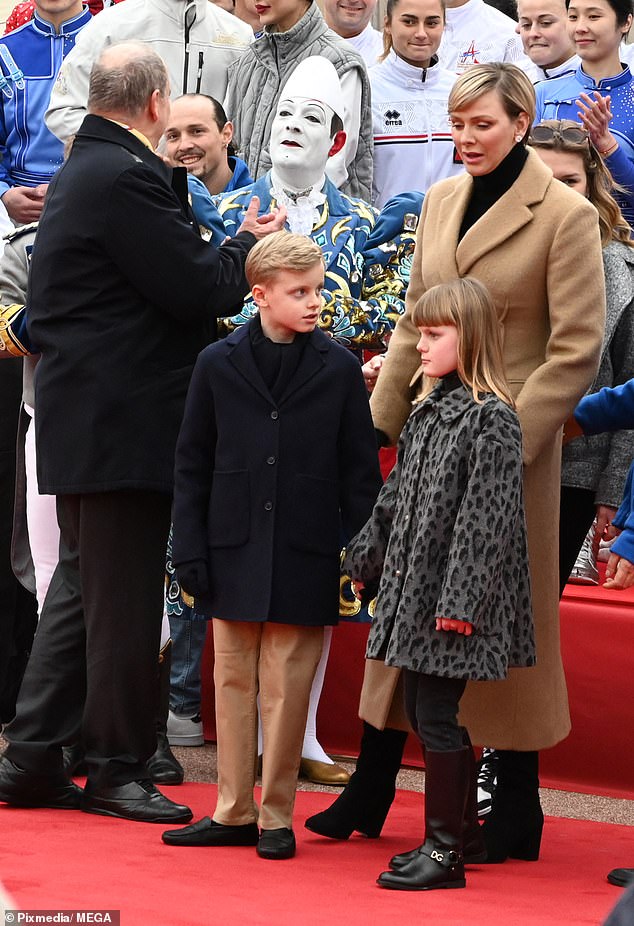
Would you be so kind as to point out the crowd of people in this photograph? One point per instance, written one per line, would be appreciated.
(229, 229)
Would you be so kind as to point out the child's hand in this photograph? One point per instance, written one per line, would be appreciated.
(448, 623)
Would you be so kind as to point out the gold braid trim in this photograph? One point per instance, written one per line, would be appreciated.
(8, 340)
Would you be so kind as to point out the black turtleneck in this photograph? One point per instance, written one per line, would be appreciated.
(488, 188)
(276, 362)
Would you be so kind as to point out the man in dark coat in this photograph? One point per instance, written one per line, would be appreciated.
(121, 298)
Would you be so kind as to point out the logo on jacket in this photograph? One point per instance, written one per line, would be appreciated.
(468, 56)
(392, 117)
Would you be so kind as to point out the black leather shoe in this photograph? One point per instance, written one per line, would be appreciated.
(472, 852)
(276, 844)
(136, 800)
(22, 788)
(429, 870)
(621, 877)
(209, 833)
(163, 766)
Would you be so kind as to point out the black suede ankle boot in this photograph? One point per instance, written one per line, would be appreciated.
(364, 803)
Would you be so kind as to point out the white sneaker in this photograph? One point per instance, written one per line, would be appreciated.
(584, 571)
(185, 731)
(487, 780)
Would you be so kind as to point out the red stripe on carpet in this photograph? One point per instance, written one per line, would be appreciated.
(66, 859)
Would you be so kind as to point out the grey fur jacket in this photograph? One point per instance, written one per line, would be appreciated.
(601, 463)
(258, 76)
(447, 538)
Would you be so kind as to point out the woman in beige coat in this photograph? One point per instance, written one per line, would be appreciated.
(536, 245)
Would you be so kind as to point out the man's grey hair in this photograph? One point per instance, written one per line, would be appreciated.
(126, 84)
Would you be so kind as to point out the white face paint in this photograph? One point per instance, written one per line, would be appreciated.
(300, 141)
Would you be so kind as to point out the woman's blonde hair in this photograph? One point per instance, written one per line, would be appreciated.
(509, 82)
(281, 251)
(601, 185)
(466, 303)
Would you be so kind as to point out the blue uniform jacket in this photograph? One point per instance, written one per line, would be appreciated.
(556, 99)
(30, 58)
(612, 409)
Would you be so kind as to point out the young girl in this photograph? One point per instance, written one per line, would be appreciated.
(446, 545)
(594, 471)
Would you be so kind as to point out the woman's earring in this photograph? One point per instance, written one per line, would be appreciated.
(519, 137)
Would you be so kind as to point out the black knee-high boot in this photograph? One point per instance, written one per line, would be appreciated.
(474, 848)
(364, 803)
(514, 826)
(439, 861)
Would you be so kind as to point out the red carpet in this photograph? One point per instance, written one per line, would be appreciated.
(64, 860)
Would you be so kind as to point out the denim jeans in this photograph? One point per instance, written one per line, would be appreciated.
(188, 642)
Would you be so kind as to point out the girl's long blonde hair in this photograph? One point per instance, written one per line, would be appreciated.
(466, 303)
(612, 224)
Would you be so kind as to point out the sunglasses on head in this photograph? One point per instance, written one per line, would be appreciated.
(569, 134)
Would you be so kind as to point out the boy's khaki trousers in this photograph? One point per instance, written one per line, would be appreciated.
(279, 661)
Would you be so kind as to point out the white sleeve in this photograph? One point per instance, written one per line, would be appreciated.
(514, 53)
(351, 88)
(69, 97)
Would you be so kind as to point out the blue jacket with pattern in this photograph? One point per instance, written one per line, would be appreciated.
(367, 256)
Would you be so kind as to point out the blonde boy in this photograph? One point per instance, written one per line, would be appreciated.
(276, 467)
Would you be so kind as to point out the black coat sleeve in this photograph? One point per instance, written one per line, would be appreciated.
(155, 247)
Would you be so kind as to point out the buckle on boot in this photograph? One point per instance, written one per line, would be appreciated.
(446, 859)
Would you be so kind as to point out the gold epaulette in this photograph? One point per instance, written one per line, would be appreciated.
(8, 340)
(19, 231)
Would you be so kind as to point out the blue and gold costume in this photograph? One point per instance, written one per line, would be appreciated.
(367, 256)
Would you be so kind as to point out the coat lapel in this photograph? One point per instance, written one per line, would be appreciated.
(312, 362)
(241, 356)
(452, 209)
(510, 213)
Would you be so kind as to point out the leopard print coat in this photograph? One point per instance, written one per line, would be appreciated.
(447, 537)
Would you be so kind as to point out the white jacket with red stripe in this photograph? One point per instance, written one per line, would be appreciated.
(413, 147)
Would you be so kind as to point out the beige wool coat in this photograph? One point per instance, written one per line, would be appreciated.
(538, 250)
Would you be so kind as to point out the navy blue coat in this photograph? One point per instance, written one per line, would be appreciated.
(265, 490)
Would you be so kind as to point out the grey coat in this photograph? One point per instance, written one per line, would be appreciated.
(257, 78)
(447, 538)
(601, 463)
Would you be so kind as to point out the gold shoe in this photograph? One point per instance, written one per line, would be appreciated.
(321, 773)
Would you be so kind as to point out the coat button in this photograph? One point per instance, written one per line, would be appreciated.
(398, 572)
(275, 415)
(270, 460)
(268, 506)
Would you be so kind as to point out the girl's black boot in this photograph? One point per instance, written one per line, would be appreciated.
(438, 863)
